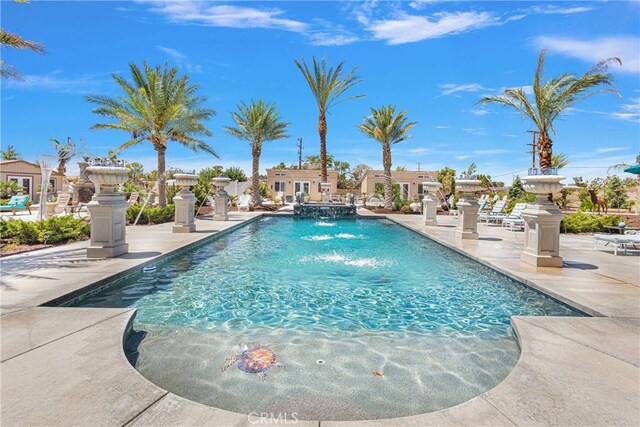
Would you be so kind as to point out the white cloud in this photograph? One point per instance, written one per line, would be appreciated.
(419, 150)
(508, 135)
(490, 152)
(627, 48)
(176, 55)
(479, 112)
(452, 88)
(630, 111)
(476, 131)
(559, 10)
(420, 4)
(222, 15)
(442, 127)
(54, 82)
(412, 28)
(462, 157)
(181, 59)
(331, 39)
(611, 149)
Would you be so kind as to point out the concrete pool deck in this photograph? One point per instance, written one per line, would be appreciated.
(66, 366)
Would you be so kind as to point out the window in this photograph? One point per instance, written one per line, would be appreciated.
(301, 187)
(422, 176)
(378, 175)
(404, 194)
(280, 174)
(279, 186)
(420, 189)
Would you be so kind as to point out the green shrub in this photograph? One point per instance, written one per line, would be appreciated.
(583, 223)
(151, 215)
(406, 209)
(52, 230)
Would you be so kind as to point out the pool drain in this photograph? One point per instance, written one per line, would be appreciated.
(320, 362)
(149, 268)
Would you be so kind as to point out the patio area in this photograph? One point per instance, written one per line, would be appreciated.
(65, 366)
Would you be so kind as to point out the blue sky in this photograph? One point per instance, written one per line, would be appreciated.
(434, 59)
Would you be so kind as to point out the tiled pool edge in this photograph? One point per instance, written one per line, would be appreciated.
(527, 282)
(91, 288)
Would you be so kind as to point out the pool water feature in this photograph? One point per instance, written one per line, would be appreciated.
(369, 319)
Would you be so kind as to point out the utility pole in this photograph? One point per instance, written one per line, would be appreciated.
(299, 153)
(534, 147)
(418, 166)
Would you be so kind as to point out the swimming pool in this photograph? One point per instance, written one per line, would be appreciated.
(369, 319)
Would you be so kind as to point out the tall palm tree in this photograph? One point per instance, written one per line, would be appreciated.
(552, 97)
(157, 106)
(257, 123)
(16, 42)
(327, 86)
(388, 128)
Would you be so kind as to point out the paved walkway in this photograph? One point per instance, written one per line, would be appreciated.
(66, 366)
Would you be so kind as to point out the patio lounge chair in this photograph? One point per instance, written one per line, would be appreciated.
(496, 212)
(133, 198)
(17, 203)
(243, 202)
(515, 219)
(62, 204)
(617, 241)
(374, 202)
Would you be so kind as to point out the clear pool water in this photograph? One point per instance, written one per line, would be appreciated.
(336, 301)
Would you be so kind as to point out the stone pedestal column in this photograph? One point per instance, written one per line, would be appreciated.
(468, 208)
(185, 204)
(467, 219)
(542, 223)
(430, 202)
(108, 211)
(221, 198)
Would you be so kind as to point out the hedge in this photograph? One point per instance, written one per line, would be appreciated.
(583, 223)
(53, 230)
(151, 215)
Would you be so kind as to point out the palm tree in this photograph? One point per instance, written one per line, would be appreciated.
(559, 161)
(388, 128)
(157, 106)
(17, 42)
(327, 87)
(10, 153)
(65, 152)
(552, 97)
(257, 123)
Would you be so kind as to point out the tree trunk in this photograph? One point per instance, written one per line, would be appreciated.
(322, 131)
(162, 180)
(255, 175)
(388, 186)
(544, 151)
(62, 168)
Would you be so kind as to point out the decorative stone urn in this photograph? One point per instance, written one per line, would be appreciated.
(542, 222)
(468, 207)
(185, 203)
(108, 210)
(221, 198)
(326, 188)
(430, 202)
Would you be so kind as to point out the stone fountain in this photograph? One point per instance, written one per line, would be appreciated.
(542, 220)
(430, 202)
(108, 209)
(185, 203)
(468, 207)
(221, 198)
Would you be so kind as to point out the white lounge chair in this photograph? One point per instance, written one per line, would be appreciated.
(62, 204)
(515, 219)
(133, 198)
(375, 202)
(617, 241)
(496, 212)
(244, 202)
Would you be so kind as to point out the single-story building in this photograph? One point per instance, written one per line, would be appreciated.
(410, 182)
(292, 181)
(28, 175)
